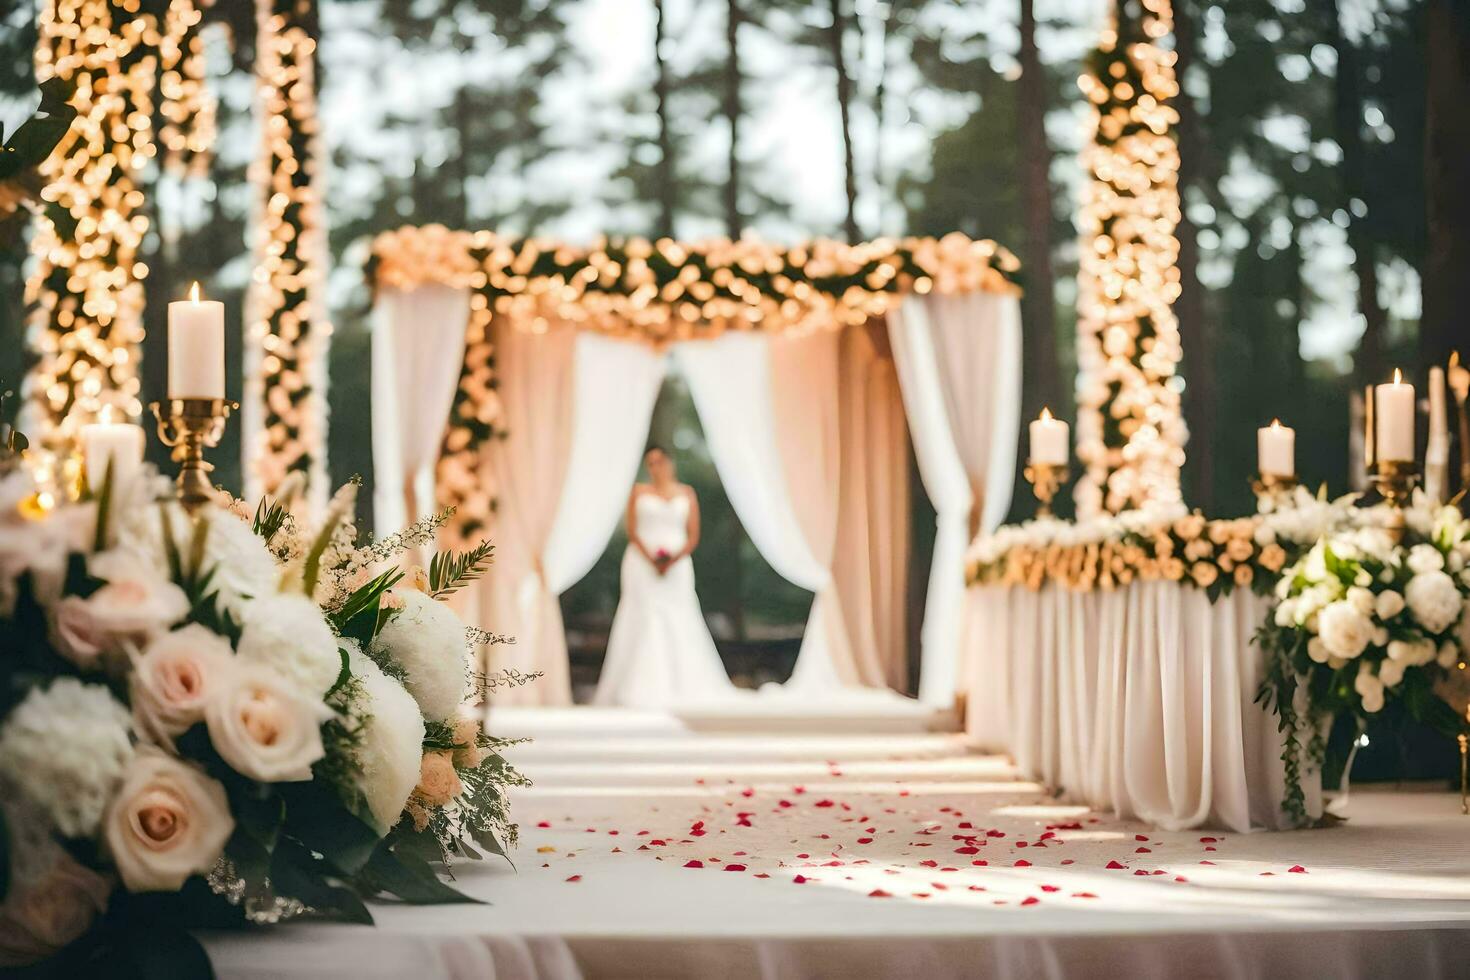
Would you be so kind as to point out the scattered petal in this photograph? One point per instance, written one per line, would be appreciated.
(694, 864)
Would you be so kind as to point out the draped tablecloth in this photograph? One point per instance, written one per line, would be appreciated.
(1139, 700)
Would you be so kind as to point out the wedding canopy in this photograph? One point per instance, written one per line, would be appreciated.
(514, 379)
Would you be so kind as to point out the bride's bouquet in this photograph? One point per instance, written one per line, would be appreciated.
(224, 718)
(1366, 626)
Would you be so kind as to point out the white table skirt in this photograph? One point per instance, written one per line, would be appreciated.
(1139, 700)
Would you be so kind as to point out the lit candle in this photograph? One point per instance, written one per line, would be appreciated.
(1276, 449)
(1393, 416)
(115, 442)
(1049, 440)
(196, 347)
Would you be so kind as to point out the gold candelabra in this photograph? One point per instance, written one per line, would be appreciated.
(1394, 479)
(1045, 479)
(1265, 485)
(188, 426)
(1458, 376)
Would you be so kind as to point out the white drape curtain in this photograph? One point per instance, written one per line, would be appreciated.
(959, 367)
(782, 484)
(418, 350)
(562, 516)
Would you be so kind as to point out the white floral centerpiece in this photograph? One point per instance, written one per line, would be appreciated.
(225, 718)
(1365, 626)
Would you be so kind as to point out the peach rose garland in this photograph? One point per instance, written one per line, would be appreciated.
(167, 822)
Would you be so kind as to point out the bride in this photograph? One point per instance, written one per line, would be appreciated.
(660, 653)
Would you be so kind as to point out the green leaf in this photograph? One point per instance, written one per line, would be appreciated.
(270, 517)
(104, 508)
(450, 571)
(297, 873)
(411, 879)
(317, 817)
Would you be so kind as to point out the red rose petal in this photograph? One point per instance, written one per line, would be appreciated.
(544, 824)
(1030, 900)
(1068, 861)
(1210, 863)
(1115, 866)
(1296, 869)
(967, 850)
(865, 840)
(762, 875)
(824, 803)
(1023, 863)
(928, 864)
(800, 880)
(980, 864)
(1139, 837)
(879, 893)
(693, 864)
(1050, 888)
(1083, 895)
(977, 888)
(1209, 840)
(1143, 850)
(734, 867)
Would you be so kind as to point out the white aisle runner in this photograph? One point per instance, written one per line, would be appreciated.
(648, 850)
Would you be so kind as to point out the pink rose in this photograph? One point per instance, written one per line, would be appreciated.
(264, 728)
(41, 918)
(132, 606)
(167, 822)
(175, 678)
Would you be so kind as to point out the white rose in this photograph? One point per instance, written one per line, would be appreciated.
(133, 605)
(288, 633)
(243, 567)
(1317, 650)
(175, 677)
(264, 727)
(65, 748)
(1425, 558)
(1286, 613)
(1369, 688)
(427, 640)
(1401, 650)
(390, 743)
(1344, 630)
(1388, 605)
(1380, 636)
(1455, 562)
(168, 821)
(1362, 600)
(1434, 600)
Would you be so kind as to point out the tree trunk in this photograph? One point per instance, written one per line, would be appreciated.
(1296, 374)
(1348, 109)
(461, 162)
(1196, 333)
(667, 193)
(1446, 282)
(837, 38)
(734, 223)
(1043, 374)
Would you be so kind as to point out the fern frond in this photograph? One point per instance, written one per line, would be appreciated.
(450, 571)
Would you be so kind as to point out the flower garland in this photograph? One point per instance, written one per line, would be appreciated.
(86, 327)
(1130, 426)
(286, 328)
(1366, 627)
(660, 292)
(222, 717)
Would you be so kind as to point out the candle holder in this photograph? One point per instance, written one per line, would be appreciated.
(1394, 480)
(188, 426)
(1045, 479)
(1272, 485)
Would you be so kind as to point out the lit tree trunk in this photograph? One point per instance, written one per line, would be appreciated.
(667, 193)
(1043, 381)
(837, 40)
(1348, 109)
(1297, 293)
(285, 390)
(1196, 333)
(1446, 281)
(734, 223)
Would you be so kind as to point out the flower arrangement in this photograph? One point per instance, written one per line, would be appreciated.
(225, 718)
(1158, 543)
(1365, 626)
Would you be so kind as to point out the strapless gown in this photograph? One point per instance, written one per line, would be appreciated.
(660, 653)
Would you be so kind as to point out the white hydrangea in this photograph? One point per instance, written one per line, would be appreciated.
(1425, 558)
(1391, 672)
(65, 747)
(1369, 688)
(1388, 604)
(1435, 600)
(287, 632)
(244, 568)
(390, 748)
(1345, 631)
(427, 640)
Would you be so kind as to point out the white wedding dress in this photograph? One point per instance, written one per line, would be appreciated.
(660, 653)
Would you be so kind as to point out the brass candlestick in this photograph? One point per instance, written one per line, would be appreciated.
(1265, 485)
(189, 426)
(1464, 741)
(1045, 479)
(1458, 377)
(1395, 479)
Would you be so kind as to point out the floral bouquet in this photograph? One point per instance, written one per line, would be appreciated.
(1364, 626)
(225, 718)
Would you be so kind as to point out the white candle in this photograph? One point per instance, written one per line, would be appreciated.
(117, 443)
(1276, 449)
(1393, 419)
(196, 347)
(1050, 444)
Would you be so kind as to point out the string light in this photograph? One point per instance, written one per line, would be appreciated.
(659, 292)
(86, 289)
(1130, 429)
(287, 332)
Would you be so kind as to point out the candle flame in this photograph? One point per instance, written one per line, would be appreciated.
(1275, 423)
(105, 416)
(194, 292)
(1398, 376)
(1045, 413)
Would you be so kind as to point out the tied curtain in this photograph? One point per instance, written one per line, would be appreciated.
(959, 368)
(418, 350)
(577, 410)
